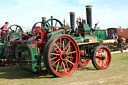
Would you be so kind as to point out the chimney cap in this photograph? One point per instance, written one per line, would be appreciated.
(88, 6)
(43, 18)
(72, 13)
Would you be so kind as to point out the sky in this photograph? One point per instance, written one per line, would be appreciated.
(109, 13)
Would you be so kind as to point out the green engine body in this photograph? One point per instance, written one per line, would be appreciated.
(30, 57)
(101, 34)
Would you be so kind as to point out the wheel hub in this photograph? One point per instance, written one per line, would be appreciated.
(103, 57)
(64, 55)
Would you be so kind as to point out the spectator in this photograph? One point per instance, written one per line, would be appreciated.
(114, 36)
(4, 31)
(120, 41)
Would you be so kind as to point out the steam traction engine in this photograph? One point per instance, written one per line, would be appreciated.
(7, 53)
(60, 49)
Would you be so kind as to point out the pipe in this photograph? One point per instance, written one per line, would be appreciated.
(72, 20)
(89, 15)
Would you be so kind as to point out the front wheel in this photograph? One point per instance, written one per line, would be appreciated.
(61, 56)
(101, 58)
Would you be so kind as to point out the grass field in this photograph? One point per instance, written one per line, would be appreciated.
(116, 74)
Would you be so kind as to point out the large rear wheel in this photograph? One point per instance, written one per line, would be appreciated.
(101, 58)
(61, 56)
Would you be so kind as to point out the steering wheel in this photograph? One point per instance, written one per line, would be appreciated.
(15, 28)
(54, 22)
(47, 24)
(14, 31)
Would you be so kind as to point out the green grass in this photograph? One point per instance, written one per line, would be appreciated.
(116, 74)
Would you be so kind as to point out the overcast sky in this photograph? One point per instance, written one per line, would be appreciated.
(110, 13)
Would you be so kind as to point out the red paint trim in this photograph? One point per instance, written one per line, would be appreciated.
(32, 46)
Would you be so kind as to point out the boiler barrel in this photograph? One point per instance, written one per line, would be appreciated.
(109, 41)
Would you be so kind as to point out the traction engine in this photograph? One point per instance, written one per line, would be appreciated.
(59, 49)
(7, 53)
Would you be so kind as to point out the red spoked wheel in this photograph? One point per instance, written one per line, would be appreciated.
(61, 56)
(84, 61)
(101, 58)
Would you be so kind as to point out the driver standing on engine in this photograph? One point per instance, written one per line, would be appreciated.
(4, 31)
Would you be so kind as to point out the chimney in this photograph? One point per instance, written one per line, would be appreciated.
(72, 20)
(89, 15)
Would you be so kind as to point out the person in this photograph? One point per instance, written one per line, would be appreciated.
(114, 36)
(4, 31)
(120, 41)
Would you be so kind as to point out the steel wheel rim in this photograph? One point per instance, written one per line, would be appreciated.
(61, 61)
(102, 58)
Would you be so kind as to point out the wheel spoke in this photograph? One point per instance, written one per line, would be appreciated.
(63, 44)
(53, 58)
(60, 43)
(10, 28)
(54, 54)
(67, 45)
(70, 62)
(49, 24)
(106, 60)
(99, 52)
(70, 57)
(60, 67)
(64, 66)
(55, 62)
(98, 62)
(71, 52)
(16, 29)
(102, 62)
(57, 66)
(68, 48)
(57, 46)
(105, 54)
(54, 48)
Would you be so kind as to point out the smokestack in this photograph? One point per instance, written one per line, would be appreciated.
(72, 20)
(43, 21)
(89, 15)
